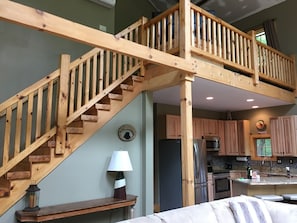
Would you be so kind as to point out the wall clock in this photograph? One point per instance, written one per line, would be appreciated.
(126, 132)
(260, 125)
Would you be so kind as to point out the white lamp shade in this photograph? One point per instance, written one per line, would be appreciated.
(120, 161)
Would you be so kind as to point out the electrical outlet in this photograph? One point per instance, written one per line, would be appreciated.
(291, 161)
(279, 161)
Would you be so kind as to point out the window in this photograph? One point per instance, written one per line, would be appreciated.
(261, 36)
(261, 147)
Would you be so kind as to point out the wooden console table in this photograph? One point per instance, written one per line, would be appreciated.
(77, 208)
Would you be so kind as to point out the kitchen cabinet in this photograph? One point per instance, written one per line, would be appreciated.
(210, 127)
(231, 139)
(221, 134)
(284, 135)
(243, 128)
(236, 174)
(173, 127)
(237, 137)
(234, 134)
(197, 128)
(201, 127)
(205, 127)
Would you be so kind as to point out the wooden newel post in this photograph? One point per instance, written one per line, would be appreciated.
(62, 104)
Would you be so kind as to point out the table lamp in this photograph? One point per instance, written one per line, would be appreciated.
(120, 162)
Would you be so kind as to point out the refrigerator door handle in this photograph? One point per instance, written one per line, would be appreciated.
(196, 154)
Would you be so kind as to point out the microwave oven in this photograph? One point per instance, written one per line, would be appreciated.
(212, 143)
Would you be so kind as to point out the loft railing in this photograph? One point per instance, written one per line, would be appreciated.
(276, 67)
(219, 41)
(33, 116)
(162, 32)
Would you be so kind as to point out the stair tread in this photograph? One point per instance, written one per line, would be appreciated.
(75, 130)
(89, 118)
(127, 87)
(113, 96)
(105, 107)
(40, 158)
(138, 78)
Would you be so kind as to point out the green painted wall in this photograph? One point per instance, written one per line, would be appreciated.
(129, 11)
(28, 55)
(285, 17)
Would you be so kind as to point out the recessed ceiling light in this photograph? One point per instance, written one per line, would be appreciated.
(255, 106)
(250, 100)
(209, 98)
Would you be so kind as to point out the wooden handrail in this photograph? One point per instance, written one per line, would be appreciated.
(97, 64)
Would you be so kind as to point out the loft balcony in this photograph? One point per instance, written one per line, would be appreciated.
(221, 52)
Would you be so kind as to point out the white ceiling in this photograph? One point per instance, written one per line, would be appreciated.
(226, 98)
(228, 10)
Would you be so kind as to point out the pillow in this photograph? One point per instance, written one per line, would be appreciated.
(250, 211)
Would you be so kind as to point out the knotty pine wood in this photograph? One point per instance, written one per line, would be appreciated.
(187, 142)
(63, 104)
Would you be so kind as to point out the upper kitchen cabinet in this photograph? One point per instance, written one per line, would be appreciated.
(173, 127)
(221, 124)
(237, 138)
(197, 128)
(231, 139)
(205, 127)
(201, 127)
(210, 127)
(284, 135)
(243, 127)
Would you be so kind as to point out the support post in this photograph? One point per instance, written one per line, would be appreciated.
(186, 106)
(187, 141)
(62, 104)
(255, 57)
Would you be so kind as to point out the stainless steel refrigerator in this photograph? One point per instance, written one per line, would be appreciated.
(170, 173)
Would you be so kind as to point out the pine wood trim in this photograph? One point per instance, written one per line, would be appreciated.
(187, 141)
(63, 105)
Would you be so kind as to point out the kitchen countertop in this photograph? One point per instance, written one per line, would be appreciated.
(277, 180)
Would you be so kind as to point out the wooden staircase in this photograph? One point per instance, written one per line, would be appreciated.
(44, 159)
(85, 94)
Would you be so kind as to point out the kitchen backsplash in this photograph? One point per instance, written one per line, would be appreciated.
(228, 162)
